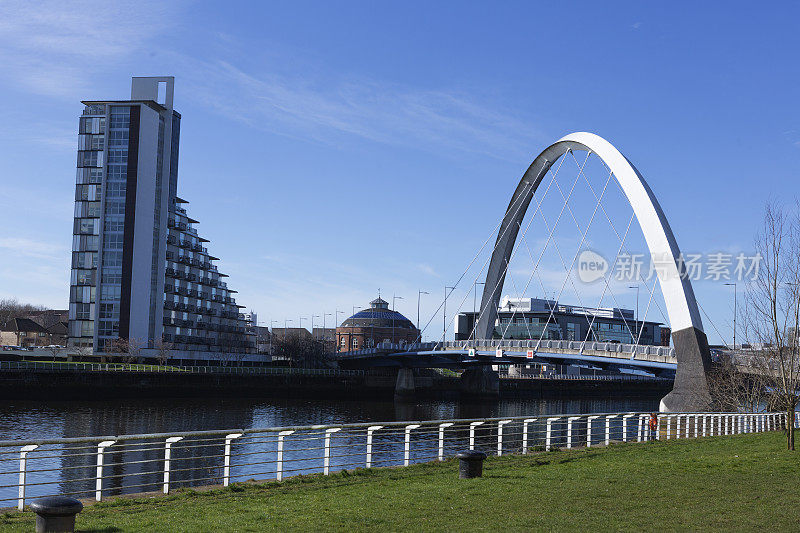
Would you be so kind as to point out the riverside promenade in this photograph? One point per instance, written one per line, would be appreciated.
(724, 483)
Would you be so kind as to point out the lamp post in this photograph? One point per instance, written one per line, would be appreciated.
(474, 304)
(419, 296)
(285, 328)
(312, 324)
(336, 321)
(271, 334)
(637, 310)
(444, 313)
(352, 327)
(324, 328)
(394, 297)
(734, 312)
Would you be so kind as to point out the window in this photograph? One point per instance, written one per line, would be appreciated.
(355, 343)
(112, 259)
(113, 241)
(84, 260)
(115, 189)
(86, 226)
(117, 155)
(108, 311)
(115, 207)
(118, 138)
(108, 328)
(112, 277)
(93, 125)
(110, 292)
(343, 342)
(88, 158)
(117, 172)
(114, 224)
(84, 277)
(83, 311)
(87, 328)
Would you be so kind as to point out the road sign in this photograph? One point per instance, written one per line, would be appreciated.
(529, 354)
(472, 352)
(499, 353)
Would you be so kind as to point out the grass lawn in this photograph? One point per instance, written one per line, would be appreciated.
(740, 483)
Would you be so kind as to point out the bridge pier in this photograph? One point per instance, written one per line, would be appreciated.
(690, 392)
(479, 383)
(405, 388)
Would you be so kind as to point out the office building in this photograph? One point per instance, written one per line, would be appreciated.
(534, 318)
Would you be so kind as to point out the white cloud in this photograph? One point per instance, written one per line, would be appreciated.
(31, 248)
(331, 108)
(53, 47)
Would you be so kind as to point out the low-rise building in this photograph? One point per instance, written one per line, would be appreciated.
(535, 318)
(376, 324)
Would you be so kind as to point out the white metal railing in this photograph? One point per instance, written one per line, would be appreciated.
(122, 367)
(578, 346)
(109, 465)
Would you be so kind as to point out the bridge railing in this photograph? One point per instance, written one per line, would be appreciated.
(578, 346)
(101, 466)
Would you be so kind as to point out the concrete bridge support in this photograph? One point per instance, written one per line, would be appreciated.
(480, 383)
(405, 388)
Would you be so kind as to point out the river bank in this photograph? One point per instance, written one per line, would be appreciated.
(70, 384)
(616, 488)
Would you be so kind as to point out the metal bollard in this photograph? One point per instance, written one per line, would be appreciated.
(56, 514)
(470, 464)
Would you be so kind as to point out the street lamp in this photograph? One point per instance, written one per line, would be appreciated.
(637, 309)
(312, 324)
(285, 328)
(300, 325)
(419, 295)
(336, 321)
(394, 297)
(444, 313)
(324, 328)
(734, 312)
(271, 334)
(474, 304)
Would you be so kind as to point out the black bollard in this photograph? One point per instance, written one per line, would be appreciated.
(470, 464)
(56, 514)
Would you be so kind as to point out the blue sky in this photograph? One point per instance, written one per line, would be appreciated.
(330, 149)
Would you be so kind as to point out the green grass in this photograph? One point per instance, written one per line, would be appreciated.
(740, 483)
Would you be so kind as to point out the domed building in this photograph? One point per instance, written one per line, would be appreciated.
(377, 324)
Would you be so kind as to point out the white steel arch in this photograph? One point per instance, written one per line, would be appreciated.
(681, 305)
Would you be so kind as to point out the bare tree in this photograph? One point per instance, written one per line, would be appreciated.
(164, 351)
(739, 384)
(303, 352)
(54, 350)
(11, 308)
(772, 313)
(128, 350)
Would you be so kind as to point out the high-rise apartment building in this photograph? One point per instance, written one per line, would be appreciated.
(140, 271)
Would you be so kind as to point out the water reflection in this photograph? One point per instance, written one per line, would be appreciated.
(138, 466)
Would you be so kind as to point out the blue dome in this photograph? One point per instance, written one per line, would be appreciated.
(378, 316)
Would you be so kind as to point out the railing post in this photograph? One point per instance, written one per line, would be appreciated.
(569, 429)
(407, 447)
(608, 428)
(167, 455)
(279, 459)
(500, 425)
(23, 454)
(326, 462)
(441, 438)
(639, 428)
(98, 494)
(548, 434)
(625, 427)
(370, 431)
(705, 421)
(589, 430)
(472, 427)
(525, 434)
(226, 470)
(696, 426)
